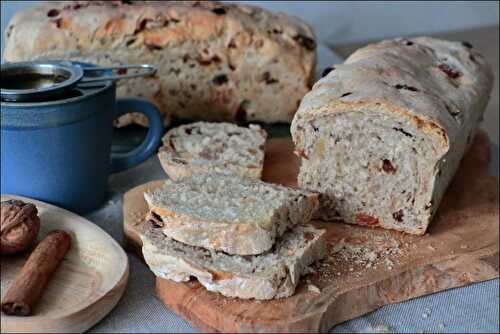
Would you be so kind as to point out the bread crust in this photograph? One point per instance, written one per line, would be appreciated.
(431, 92)
(216, 61)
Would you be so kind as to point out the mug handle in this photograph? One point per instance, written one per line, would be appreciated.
(122, 161)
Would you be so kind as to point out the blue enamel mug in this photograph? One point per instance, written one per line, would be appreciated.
(56, 131)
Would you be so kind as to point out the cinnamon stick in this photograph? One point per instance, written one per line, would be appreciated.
(30, 282)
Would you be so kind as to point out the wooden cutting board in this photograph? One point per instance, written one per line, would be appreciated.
(86, 286)
(365, 269)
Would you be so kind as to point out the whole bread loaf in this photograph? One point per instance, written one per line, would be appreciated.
(382, 135)
(216, 61)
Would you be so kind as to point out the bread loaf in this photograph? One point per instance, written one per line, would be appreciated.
(228, 213)
(274, 274)
(382, 135)
(204, 147)
(216, 61)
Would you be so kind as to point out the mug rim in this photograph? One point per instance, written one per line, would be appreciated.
(55, 102)
(33, 115)
(105, 85)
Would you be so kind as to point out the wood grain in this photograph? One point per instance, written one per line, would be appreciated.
(87, 285)
(461, 248)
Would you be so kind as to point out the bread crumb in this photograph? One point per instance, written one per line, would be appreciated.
(371, 256)
(111, 202)
(359, 253)
(382, 328)
(389, 264)
(431, 248)
(313, 288)
(464, 246)
(338, 246)
(427, 312)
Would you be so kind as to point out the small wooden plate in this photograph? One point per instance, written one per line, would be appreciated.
(87, 285)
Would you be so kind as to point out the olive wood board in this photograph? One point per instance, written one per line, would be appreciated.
(460, 248)
(85, 287)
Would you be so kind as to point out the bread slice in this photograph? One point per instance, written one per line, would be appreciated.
(274, 274)
(228, 213)
(205, 147)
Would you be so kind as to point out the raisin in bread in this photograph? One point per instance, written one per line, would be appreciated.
(222, 148)
(274, 274)
(228, 213)
(216, 61)
(382, 135)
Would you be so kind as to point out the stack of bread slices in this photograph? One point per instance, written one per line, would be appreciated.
(236, 234)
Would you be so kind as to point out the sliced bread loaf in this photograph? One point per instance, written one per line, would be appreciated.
(382, 135)
(271, 275)
(204, 147)
(228, 213)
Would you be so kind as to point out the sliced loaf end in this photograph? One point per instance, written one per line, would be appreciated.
(205, 147)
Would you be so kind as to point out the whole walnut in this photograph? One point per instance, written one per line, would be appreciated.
(19, 226)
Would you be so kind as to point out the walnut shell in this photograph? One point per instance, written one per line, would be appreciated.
(19, 226)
